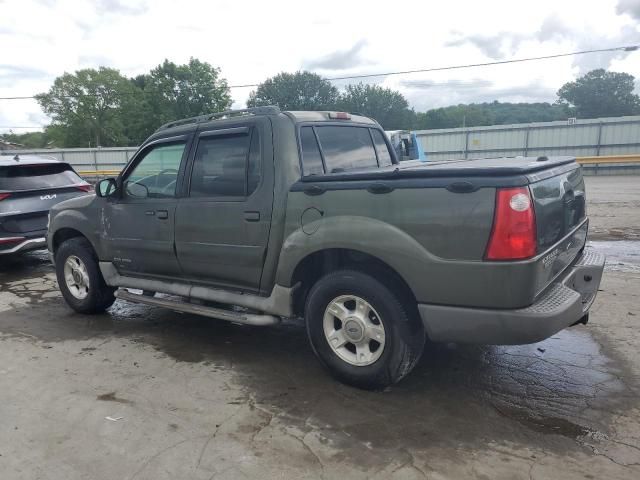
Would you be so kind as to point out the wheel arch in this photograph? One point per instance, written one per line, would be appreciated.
(385, 246)
(320, 262)
(67, 224)
(63, 234)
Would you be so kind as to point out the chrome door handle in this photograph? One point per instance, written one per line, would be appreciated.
(163, 214)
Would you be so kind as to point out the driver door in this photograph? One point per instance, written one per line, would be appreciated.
(140, 224)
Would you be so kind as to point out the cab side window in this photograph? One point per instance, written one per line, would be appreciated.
(155, 176)
(346, 148)
(253, 171)
(384, 157)
(311, 158)
(226, 165)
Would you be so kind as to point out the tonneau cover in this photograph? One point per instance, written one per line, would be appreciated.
(482, 167)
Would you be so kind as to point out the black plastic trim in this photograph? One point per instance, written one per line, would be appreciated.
(400, 183)
(552, 172)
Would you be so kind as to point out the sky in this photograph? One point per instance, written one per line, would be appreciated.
(252, 40)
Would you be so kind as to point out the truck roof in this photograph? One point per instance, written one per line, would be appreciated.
(319, 116)
(295, 116)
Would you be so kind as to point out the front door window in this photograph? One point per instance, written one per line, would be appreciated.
(155, 176)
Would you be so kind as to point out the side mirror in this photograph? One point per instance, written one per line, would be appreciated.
(106, 188)
(137, 190)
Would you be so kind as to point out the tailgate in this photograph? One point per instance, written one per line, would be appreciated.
(560, 209)
(25, 212)
(28, 190)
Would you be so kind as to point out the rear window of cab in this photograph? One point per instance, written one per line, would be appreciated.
(336, 148)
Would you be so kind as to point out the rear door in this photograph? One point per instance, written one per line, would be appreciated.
(28, 191)
(140, 225)
(223, 221)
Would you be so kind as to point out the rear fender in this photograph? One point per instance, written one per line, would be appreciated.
(376, 238)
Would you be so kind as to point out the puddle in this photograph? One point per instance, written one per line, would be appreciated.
(622, 255)
(546, 425)
(17, 267)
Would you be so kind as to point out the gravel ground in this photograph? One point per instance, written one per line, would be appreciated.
(146, 393)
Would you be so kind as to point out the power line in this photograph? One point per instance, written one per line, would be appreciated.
(630, 48)
(497, 62)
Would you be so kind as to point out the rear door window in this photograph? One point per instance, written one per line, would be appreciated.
(37, 177)
(346, 148)
(384, 157)
(220, 166)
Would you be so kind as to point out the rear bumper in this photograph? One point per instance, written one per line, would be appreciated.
(24, 245)
(563, 304)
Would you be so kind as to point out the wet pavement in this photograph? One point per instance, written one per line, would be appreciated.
(147, 393)
(622, 255)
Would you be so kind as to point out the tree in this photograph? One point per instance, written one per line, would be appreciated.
(295, 91)
(494, 113)
(103, 108)
(179, 91)
(28, 139)
(386, 106)
(601, 94)
(454, 117)
(86, 107)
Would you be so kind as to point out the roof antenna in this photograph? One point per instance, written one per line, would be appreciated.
(17, 157)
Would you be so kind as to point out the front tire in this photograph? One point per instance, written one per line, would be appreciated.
(79, 277)
(360, 330)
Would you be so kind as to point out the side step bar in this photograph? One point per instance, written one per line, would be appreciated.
(231, 316)
(279, 303)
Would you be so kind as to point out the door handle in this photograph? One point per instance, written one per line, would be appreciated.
(163, 214)
(379, 188)
(314, 190)
(252, 216)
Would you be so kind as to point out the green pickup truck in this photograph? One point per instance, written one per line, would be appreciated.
(258, 214)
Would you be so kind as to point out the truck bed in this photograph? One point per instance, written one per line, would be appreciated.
(447, 209)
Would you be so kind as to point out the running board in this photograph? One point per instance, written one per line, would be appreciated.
(279, 303)
(220, 314)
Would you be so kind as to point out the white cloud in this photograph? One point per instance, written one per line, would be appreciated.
(339, 60)
(630, 7)
(252, 40)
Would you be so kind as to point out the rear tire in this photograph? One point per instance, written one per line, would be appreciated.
(79, 277)
(360, 331)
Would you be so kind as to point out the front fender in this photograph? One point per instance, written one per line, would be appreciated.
(384, 241)
(83, 221)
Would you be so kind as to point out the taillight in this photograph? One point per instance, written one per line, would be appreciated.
(4, 195)
(8, 240)
(84, 188)
(513, 236)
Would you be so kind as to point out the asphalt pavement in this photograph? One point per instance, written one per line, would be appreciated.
(146, 393)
